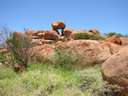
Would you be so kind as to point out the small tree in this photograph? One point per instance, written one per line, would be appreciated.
(19, 46)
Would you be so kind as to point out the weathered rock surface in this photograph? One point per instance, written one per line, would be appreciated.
(58, 25)
(107, 49)
(67, 33)
(114, 39)
(51, 35)
(90, 52)
(124, 41)
(115, 69)
(42, 52)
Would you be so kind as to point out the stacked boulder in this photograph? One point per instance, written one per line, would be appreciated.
(39, 37)
(58, 25)
(93, 31)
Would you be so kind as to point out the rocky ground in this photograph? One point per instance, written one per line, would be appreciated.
(111, 54)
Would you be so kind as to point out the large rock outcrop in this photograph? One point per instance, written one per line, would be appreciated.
(115, 69)
(42, 52)
(87, 52)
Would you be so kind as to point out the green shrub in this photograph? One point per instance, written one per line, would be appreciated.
(81, 36)
(85, 35)
(18, 45)
(6, 73)
(5, 59)
(108, 90)
(46, 80)
(2, 57)
(19, 48)
(110, 34)
(64, 58)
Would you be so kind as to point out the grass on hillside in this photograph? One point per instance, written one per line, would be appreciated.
(45, 80)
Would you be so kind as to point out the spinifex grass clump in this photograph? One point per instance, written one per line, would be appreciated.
(64, 58)
(85, 35)
(47, 80)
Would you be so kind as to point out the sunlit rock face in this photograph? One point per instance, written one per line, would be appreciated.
(115, 69)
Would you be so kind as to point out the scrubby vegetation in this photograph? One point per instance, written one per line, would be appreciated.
(85, 35)
(19, 47)
(49, 77)
(47, 80)
(110, 34)
(54, 79)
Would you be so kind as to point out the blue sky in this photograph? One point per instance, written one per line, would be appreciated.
(105, 15)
